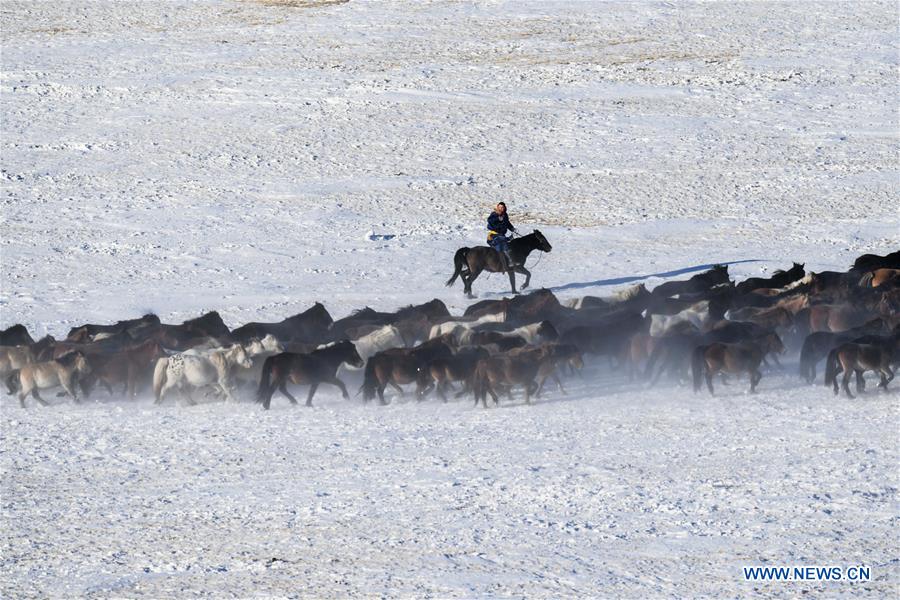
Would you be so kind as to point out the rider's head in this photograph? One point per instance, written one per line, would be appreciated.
(501, 208)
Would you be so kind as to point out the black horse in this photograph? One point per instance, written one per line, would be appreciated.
(698, 283)
(470, 262)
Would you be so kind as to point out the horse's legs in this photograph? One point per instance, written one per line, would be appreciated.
(37, 396)
(185, 392)
(340, 385)
(710, 373)
(559, 384)
(473, 275)
(283, 389)
(66, 382)
(131, 382)
(521, 269)
(530, 388)
(777, 362)
(845, 382)
(860, 381)
(755, 376)
(312, 390)
(226, 388)
(512, 280)
(168, 385)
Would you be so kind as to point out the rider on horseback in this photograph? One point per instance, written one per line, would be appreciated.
(498, 224)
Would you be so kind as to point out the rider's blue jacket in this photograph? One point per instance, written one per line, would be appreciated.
(498, 224)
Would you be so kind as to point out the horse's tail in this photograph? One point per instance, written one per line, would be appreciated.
(159, 377)
(698, 364)
(831, 365)
(13, 383)
(370, 381)
(459, 261)
(266, 386)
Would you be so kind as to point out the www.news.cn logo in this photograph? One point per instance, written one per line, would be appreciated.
(812, 573)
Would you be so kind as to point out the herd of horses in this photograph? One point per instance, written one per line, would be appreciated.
(689, 331)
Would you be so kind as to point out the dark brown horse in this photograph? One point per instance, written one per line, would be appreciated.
(401, 366)
(778, 280)
(737, 358)
(700, 282)
(413, 321)
(609, 337)
(870, 262)
(309, 326)
(817, 345)
(131, 368)
(858, 358)
(84, 333)
(470, 262)
(17, 335)
(459, 367)
(318, 367)
(528, 367)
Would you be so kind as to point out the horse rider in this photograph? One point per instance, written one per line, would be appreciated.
(498, 224)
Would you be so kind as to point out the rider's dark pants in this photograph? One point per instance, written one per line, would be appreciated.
(501, 244)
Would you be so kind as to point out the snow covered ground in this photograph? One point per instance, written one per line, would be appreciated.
(247, 156)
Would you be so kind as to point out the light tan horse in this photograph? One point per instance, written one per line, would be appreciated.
(14, 357)
(64, 371)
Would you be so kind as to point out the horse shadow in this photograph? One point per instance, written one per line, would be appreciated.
(633, 278)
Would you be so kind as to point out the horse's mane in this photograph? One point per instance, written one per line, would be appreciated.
(68, 359)
(17, 328)
(434, 303)
(629, 293)
(210, 316)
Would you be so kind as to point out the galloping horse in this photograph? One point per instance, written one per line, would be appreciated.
(470, 262)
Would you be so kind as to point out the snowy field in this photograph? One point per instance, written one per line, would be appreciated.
(253, 157)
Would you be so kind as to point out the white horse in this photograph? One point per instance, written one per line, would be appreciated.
(616, 298)
(259, 351)
(372, 343)
(458, 328)
(185, 371)
(696, 314)
(543, 331)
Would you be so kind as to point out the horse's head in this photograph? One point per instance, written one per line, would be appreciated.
(436, 308)
(80, 362)
(774, 344)
(719, 273)
(239, 356)
(350, 355)
(547, 331)
(542, 243)
(319, 312)
(254, 347)
(271, 344)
